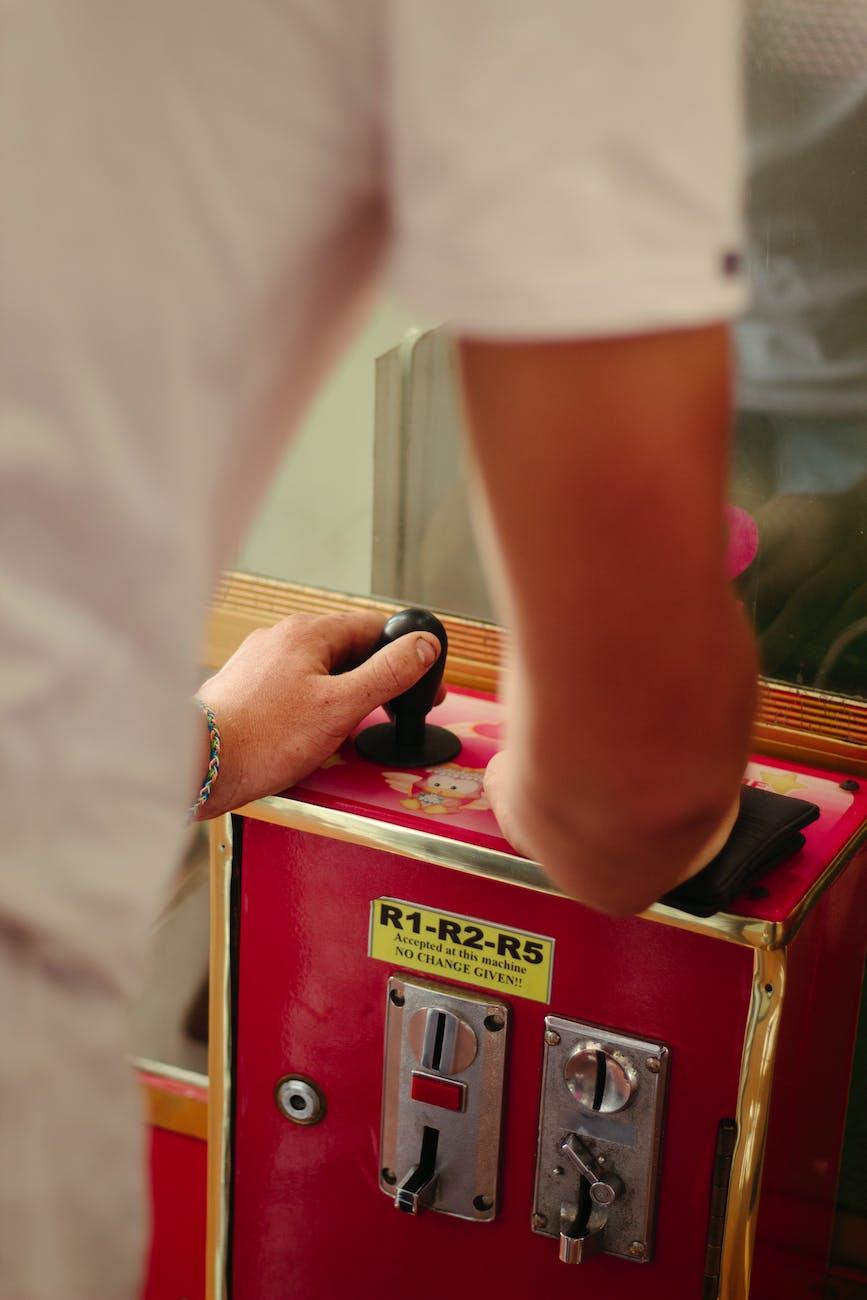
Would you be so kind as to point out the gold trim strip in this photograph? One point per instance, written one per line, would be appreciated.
(827, 878)
(753, 1113)
(457, 856)
(219, 1060)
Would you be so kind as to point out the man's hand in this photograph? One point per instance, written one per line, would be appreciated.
(291, 694)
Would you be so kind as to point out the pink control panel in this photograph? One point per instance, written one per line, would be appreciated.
(449, 799)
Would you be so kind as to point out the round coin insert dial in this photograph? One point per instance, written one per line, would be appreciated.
(600, 1081)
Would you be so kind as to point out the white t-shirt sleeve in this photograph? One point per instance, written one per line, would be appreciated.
(564, 168)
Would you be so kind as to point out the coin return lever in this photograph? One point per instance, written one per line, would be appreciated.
(442, 1099)
(600, 1130)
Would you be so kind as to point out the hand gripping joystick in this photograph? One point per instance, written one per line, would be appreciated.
(408, 740)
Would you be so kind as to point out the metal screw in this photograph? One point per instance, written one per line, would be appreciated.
(494, 1022)
(552, 1038)
(636, 1249)
(539, 1221)
(483, 1203)
(557, 1171)
(397, 997)
(653, 1064)
(299, 1099)
(600, 1160)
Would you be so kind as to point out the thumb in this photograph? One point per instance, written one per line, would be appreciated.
(497, 782)
(389, 672)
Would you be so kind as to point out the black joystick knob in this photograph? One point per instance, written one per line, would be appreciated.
(408, 740)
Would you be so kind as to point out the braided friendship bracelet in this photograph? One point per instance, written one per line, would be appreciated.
(213, 758)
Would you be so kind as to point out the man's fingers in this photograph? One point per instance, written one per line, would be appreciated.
(347, 638)
(389, 672)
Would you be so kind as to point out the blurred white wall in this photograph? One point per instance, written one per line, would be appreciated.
(315, 525)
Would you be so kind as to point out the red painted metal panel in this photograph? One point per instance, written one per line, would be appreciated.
(814, 1061)
(309, 1219)
(179, 1169)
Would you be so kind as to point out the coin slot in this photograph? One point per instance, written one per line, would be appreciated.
(600, 1081)
(436, 1060)
(601, 1074)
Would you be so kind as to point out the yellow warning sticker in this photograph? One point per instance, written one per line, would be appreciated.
(461, 948)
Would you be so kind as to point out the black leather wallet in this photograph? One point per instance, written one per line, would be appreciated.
(766, 833)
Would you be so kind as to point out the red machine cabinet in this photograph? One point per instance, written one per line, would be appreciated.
(756, 1009)
(177, 1107)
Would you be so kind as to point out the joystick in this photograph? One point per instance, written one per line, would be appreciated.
(408, 740)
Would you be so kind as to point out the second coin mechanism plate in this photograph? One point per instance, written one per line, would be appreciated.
(615, 1113)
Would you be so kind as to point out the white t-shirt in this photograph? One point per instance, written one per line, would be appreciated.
(197, 196)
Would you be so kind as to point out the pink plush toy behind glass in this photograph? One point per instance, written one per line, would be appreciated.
(743, 541)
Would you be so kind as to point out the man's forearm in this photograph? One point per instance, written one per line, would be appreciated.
(619, 818)
(605, 468)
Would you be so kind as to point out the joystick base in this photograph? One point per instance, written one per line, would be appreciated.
(379, 744)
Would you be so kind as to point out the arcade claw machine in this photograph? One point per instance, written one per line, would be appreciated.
(434, 1075)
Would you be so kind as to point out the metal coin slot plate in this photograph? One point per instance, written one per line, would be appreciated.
(468, 1142)
(628, 1140)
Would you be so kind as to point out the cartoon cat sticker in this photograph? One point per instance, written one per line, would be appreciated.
(439, 791)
